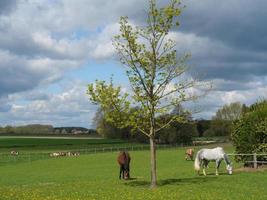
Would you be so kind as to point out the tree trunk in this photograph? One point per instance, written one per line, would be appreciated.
(153, 162)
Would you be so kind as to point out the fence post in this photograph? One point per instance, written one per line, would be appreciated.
(255, 160)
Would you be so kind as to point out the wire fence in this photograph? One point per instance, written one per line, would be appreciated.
(8, 158)
(253, 159)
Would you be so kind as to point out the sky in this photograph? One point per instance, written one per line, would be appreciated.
(51, 49)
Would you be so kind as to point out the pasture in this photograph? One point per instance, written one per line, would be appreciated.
(95, 176)
(45, 144)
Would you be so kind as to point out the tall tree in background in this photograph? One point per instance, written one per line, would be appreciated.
(156, 75)
(222, 122)
(230, 112)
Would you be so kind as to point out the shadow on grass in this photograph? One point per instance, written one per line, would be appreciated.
(131, 179)
(172, 181)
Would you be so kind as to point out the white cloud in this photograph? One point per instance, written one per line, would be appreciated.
(103, 47)
(69, 107)
(246, 96)
(42, 40)
(216, 99)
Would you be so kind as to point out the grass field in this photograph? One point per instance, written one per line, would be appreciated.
(95, 176)
(33, 144)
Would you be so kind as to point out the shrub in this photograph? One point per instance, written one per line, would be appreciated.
(250, 132)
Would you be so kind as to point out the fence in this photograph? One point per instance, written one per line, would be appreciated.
(29, 157)
(253, 160)
(6, 158)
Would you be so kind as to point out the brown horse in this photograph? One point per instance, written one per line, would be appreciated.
(189, 154)
(124, 162)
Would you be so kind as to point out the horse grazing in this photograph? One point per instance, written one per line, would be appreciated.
(14, 153)
(204, 156)
(189, 154)
(124, 162)
(54, 154)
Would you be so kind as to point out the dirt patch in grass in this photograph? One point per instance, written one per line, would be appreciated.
(250, 169)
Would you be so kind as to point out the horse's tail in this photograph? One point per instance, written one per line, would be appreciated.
(121, 158)
(197, 162)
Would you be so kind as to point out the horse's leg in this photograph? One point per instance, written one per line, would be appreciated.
(120, 172)
(201, 164)
(205, 164)
(204, 167)
(128, 170)
(123, 171)
(218, 162)
(204, 171)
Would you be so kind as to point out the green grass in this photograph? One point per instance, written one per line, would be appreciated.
(95, 176)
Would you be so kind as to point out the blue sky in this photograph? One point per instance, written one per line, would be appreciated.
(51, 50)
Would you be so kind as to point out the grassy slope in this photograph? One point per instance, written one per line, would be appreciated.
(95, 176)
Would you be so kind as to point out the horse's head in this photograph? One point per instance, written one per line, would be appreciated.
(229, 169)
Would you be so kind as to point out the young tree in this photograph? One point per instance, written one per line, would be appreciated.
(156, 76)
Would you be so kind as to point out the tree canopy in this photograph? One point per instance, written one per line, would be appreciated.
(230, 112)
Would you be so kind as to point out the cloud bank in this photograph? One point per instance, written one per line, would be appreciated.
(43, 42)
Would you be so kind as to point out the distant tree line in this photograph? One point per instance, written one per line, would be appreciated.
(34, 129)
(38, 129)
(178, 132)
(245, 126)
(223, 122)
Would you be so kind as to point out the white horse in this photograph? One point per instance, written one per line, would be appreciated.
(217, 154)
